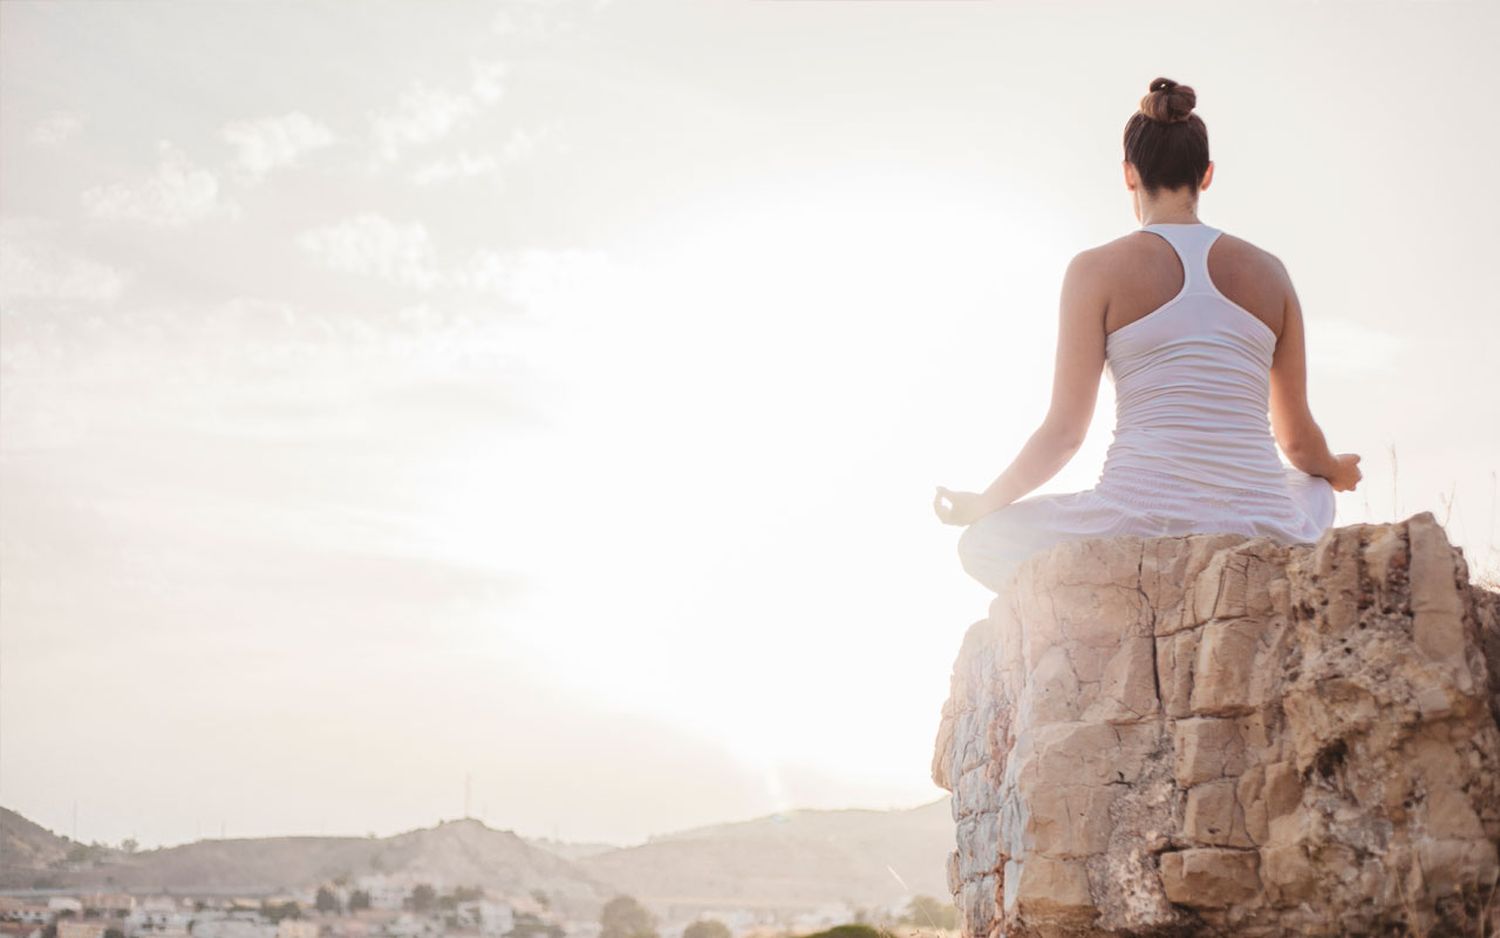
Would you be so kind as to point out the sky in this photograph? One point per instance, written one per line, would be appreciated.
(532, 409)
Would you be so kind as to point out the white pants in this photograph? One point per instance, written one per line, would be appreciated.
(993, 546)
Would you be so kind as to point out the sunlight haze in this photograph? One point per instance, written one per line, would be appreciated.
(553, 393)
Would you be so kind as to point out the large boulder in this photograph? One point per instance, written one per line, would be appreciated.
(1215, 734)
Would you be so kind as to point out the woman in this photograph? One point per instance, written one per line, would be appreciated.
(1201, 334)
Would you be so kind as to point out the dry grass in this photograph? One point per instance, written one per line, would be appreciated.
(1484, 569)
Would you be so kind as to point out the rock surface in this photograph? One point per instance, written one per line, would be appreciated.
(1215, 734)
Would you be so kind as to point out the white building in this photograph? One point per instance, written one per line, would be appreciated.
(109, 903)
(64, 904)
(237, 924)
(13, 909)
(155, 913)
(158, 916)
(386, 891)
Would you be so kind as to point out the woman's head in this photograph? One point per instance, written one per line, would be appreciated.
(1166, 142)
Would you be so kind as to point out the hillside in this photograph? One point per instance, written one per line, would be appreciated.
(26, 845)
(801, 858)
(463, 852)
(569, 850)
(795, 860)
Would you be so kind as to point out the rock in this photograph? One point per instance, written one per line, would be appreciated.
(1210, 878)
(1215, 734)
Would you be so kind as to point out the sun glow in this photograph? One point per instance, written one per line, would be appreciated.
(739, 406)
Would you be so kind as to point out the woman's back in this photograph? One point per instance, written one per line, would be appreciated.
(1192, 383)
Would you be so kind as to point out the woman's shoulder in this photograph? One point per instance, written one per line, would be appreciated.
(1246, 252)
(1125, 253)
(1247, 271)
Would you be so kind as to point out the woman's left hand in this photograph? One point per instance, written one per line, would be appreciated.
(962, 508)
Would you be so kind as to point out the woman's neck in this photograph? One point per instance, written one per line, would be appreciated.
(1169, 218)
(1168, 211)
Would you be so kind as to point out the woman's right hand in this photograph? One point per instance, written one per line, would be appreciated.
(1346, 474)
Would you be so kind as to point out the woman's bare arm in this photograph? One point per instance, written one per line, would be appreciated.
(1297, 433)
(1075, 385)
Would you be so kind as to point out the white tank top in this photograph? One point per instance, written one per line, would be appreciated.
(1192, 383)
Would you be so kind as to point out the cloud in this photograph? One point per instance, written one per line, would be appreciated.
(463, 165)
(486, 85)
(55, 128)
(35, 271)
(421, 116)
(270, 142)
(424, 114)
(521, 145)
(373, 246)
(177, 194)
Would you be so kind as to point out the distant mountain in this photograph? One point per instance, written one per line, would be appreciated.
(797, 860)
(571, 851)
(26, 845)
(802, 858)
(464, 852)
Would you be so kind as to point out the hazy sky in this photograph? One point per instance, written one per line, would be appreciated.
(552, 393)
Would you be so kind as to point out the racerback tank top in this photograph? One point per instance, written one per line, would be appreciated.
(1192, 383)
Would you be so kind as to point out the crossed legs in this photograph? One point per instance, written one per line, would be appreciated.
(992, 547)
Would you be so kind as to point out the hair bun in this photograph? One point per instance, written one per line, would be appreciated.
(1168, 101)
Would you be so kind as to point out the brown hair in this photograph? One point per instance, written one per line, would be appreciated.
(1165, 140)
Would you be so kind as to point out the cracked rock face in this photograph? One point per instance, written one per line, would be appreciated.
(1214, 734)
